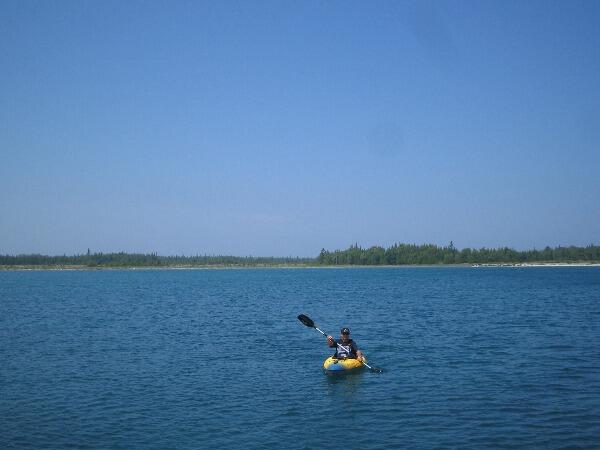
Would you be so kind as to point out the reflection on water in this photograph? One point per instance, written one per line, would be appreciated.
(344, 387)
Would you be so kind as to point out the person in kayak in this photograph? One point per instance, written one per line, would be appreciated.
(345, 348)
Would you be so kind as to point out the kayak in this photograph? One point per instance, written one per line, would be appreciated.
(339, 366)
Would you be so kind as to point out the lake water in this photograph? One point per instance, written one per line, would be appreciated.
(473, 357)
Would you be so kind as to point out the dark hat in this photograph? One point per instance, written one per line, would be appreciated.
(345, 330)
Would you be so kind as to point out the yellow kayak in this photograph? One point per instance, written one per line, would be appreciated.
(338, 366)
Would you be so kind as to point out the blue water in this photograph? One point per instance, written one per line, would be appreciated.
(486, 357)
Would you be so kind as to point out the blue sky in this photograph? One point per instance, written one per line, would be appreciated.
(279, 128)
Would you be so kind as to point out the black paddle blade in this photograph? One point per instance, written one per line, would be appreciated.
(306, 320)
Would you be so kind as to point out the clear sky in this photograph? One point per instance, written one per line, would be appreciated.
(278, 128)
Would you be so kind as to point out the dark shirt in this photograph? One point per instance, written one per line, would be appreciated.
(347, 350)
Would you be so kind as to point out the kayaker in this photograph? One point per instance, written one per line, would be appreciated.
(345, 348)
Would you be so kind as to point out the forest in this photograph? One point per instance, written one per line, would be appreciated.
(412, 254)
(395, 255)
(123, 259)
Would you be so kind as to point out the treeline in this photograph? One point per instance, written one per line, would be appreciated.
(147, 260)
(397, 254)
(405, 254)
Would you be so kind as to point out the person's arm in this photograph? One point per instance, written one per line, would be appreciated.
(359, 353)
(330, 341)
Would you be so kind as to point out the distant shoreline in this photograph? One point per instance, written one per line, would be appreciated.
(540, 264)
(398, 255)
(7, 268)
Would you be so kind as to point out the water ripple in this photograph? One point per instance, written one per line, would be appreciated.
(193, 359)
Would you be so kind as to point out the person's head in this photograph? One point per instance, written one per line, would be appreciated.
(345, 334)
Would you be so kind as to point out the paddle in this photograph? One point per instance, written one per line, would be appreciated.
(310, 324)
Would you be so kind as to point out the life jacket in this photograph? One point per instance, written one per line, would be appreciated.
(347, 350)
